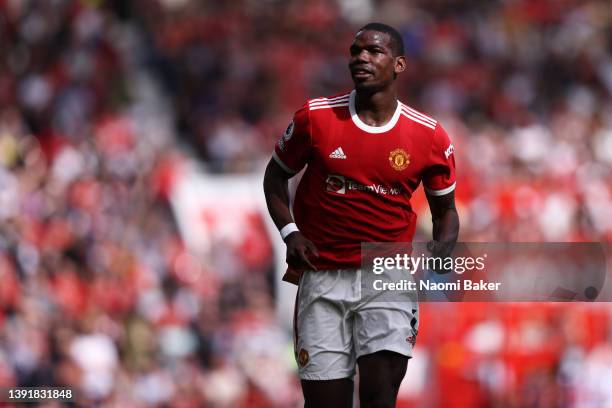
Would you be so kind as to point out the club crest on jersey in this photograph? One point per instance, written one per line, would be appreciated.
(399, 159)
(286, 136)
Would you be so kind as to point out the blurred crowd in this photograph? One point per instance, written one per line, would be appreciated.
(97, 289)
(102, 103)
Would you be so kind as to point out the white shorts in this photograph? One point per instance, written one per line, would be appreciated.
(333, 326)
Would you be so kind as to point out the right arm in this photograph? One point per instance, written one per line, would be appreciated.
(291, 154)
(276, 190)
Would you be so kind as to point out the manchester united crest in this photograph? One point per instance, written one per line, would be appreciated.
(303, 357)
(399, 159)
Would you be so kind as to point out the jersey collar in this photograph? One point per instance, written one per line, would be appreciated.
(372, 129)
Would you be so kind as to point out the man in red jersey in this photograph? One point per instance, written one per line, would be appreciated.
(366, 154)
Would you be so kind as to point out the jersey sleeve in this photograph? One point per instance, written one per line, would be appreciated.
(439, 175)
(292, 150)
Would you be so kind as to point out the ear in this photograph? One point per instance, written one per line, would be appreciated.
(400, 64)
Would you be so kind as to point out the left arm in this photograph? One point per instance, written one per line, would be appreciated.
(439, 183)
(445, 224)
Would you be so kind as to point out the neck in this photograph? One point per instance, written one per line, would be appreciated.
(376, 108)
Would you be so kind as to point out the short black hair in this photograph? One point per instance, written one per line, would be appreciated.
(395, 39)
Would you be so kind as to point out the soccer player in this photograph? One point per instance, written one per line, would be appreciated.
(366, 153)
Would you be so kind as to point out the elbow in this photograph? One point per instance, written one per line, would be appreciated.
(274, 178)
(267, 180)
(446, 225)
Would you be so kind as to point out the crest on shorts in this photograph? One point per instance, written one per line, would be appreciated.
(412, 338)
(303, 357)
(399, 159)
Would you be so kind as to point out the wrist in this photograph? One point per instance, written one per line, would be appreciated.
(288, 229)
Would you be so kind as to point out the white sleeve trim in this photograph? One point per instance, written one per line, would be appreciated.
(283, 165)
(442, 192)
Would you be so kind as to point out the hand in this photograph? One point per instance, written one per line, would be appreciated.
(441, 250)
(299, 250)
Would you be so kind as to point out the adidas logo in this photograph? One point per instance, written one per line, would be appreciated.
(338, 154)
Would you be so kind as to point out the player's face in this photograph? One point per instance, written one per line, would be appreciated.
(372, 63)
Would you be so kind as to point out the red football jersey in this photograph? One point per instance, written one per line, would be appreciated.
(360, 178)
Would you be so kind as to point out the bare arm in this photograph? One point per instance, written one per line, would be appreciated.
(276, 190)
(445, 224)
